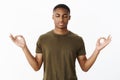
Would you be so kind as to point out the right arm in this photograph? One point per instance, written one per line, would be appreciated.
(36, 61)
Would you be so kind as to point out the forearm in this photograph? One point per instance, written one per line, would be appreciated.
(87, 63)
(91, 60)
(31, 59)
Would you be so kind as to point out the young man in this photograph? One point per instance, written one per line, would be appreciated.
(60, 48)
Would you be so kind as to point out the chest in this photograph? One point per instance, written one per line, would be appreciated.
(60, 45)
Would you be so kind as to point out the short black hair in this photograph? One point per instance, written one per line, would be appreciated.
(62, 6)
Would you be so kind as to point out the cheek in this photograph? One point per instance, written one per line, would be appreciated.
(66, 21)
(56, 20)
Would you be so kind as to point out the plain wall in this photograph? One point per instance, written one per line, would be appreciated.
(90, 19)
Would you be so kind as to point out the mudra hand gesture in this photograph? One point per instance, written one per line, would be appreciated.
(18, 40)
(102, 42)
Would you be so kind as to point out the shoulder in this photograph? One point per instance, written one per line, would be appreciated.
(76, 36)
(45, 34)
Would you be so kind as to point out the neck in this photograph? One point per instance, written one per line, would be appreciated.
(61, 31)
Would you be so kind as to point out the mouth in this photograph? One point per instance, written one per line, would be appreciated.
(61, 24)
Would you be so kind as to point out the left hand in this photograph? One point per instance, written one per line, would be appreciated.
(102, 42)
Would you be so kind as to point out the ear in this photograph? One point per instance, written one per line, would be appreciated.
(52, 16)
(69, 17)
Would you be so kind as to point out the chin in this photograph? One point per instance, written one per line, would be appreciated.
(62, 27)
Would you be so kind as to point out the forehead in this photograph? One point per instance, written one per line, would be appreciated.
(60, 11)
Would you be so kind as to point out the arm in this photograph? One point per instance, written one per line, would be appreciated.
(36, 61)
(87, 63)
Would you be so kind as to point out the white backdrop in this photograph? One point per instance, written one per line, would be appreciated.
(90, 19)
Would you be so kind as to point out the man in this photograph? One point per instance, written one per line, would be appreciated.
(60, 48)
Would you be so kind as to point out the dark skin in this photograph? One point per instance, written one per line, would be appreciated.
(61, 18)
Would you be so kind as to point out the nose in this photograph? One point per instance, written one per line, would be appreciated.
(61, 19)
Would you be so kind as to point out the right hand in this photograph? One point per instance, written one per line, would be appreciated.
(18, 40)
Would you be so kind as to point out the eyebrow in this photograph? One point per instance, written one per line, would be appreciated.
(59, 14)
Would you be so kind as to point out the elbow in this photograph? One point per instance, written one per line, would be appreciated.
(85, 69)
(36, 69)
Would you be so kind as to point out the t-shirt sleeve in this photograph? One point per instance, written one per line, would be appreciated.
(38, 46)
(81, 50)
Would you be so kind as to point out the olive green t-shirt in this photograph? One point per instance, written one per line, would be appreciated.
(59, 54)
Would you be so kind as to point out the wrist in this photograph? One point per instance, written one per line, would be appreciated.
(97, 51)
(24, 48)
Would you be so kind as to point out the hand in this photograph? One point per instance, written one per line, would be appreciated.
(102, 42)
(18, 40)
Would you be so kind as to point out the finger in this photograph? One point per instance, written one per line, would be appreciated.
(12, 38)
(101, 39)
(109, 37)
(18, 36)
(98, 40)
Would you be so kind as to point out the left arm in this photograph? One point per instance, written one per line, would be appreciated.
(87, 63)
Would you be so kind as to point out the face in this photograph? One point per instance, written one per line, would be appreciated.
(61, 17)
